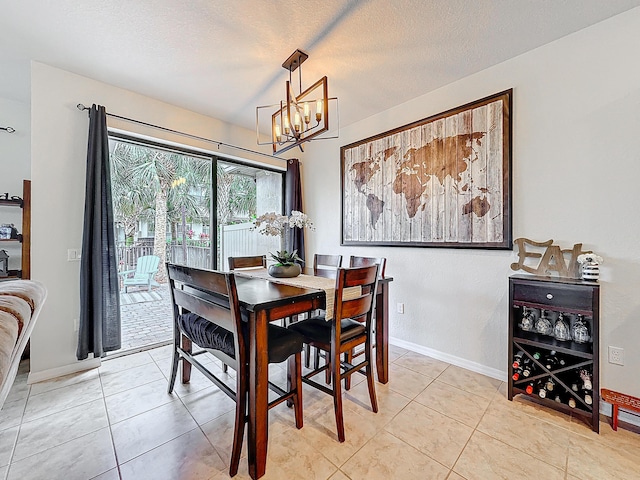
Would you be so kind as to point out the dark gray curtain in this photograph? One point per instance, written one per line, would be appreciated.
(293, 201)
(99, 330)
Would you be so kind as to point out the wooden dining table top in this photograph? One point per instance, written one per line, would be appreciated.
(264, 294)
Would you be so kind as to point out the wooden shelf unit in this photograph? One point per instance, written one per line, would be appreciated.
(25, 235)
(571, 298)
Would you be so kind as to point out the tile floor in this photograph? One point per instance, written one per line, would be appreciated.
(436, 421)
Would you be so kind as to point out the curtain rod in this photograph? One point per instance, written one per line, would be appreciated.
(81, 107)
(8, 129)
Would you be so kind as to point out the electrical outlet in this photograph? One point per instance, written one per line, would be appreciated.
(400, 308)
(616, 355)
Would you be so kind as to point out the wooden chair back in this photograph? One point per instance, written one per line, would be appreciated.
(359, 308)
(213, 296)
(247, 262)
(367, 261)
(326, 265)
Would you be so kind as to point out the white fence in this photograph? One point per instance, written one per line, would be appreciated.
(240, 240)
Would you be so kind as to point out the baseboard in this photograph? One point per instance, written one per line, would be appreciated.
(605, 408)
(35, 377)
(623, 416)
(452, 359)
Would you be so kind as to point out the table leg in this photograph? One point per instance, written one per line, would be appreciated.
(615, 417)
(258, 395)
(382, 332)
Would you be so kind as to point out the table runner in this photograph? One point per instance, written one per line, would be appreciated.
(306, 281)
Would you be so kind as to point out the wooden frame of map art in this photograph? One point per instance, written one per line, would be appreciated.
(444, 181)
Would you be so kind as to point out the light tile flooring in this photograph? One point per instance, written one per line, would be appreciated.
(436, 421)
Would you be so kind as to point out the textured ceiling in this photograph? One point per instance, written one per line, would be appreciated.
(223, 58)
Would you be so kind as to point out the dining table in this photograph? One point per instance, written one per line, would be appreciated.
(264, 299)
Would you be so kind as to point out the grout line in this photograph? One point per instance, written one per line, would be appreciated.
(15, 441)
(106, 410)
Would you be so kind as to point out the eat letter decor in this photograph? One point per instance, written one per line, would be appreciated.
(552, 259)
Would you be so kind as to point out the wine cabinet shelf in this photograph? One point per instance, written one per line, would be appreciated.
(543, 366)
(24, 237)
(562, 407)
(544, 341)
(551, 308)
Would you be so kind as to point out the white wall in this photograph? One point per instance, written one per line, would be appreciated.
(576, 162)
(58, 147)
(15, 166)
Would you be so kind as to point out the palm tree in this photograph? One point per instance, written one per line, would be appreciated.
(132, 199)
(150, 183)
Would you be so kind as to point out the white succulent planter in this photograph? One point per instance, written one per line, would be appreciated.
(591, 272)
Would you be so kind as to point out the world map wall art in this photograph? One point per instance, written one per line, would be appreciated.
(444, 181)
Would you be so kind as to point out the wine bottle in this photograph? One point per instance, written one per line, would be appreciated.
(585, 376)
(537, 355)
(551, 360)
(542, 391)
(550, 384)
(528, 368)
(517, 359)
(588, 399)
(516, 374)
(529, 388)
(571, 402)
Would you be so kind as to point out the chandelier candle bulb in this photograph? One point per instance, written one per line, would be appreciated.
(319, 110)
(307, 114)
(287, 127)
(278, 133)
(297, 122)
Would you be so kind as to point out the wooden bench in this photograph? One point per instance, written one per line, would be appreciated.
(620, 400)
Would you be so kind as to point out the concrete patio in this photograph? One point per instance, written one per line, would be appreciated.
(146, 322)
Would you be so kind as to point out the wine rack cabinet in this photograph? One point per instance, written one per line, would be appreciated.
(578, 302)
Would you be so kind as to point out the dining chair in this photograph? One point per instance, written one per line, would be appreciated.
(350, 326)
(206, 312)
(247, 262)
(367, 261)
(326, 265)
(323, 266)
(355, 261)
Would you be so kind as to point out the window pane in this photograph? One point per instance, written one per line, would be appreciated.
(243, 193)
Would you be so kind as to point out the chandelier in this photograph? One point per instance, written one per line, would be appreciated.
(298, 118)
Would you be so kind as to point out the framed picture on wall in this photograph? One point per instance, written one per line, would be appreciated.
(444, 181)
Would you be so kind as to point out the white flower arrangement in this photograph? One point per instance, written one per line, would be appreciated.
(587, 258)
(274, 224)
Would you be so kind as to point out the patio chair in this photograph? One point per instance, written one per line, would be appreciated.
(145, 270)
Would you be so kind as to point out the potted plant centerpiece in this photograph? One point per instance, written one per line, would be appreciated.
(285, 266)
(287, 262)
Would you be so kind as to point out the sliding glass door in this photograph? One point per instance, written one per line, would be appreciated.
(164, 203)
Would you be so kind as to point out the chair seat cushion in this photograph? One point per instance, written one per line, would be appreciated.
(206, 334)
(282, 342)
(317, 329)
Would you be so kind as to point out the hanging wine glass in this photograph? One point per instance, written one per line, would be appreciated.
(561, 329)
(543, 325)
(528, 320)
(580, 330)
